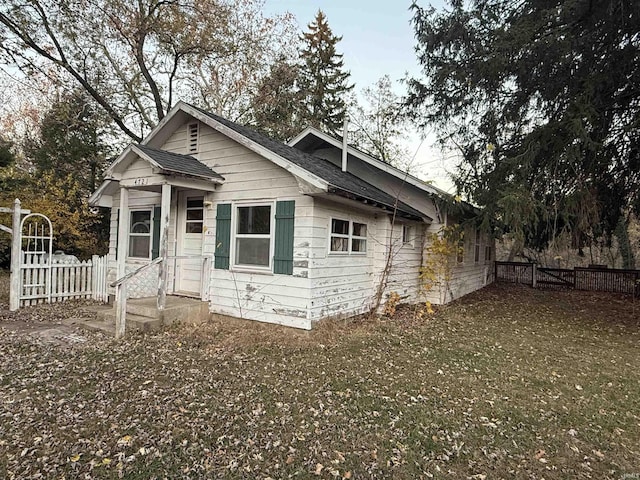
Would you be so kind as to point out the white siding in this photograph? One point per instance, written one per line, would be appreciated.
(405, 259)
(281, 299)
(468, 275)
(341, 285)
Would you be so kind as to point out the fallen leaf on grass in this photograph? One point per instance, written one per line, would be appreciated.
(319, 468)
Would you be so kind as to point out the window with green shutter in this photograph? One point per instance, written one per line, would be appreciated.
(283, 254)
(223, 236)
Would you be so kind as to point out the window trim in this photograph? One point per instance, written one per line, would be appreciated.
(478, 244)
(410, 236)
(350, 237)
(150, 234)
(461, 250)
(487, 248)
(186, 214)
(234, 235)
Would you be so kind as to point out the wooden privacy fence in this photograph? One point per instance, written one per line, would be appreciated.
(579, 278)
(62, 278)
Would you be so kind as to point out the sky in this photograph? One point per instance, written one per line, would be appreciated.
(377, 39)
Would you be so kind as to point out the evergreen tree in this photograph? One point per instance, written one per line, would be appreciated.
(276, 104)
(70, 142)
(542, 99)
(6, 155)
(323, 83)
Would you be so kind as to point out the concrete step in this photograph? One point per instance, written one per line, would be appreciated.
(133, 322)
(143, 314)
(108, 325)
(90, 324)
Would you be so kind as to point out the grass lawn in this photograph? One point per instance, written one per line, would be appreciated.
(507, 383)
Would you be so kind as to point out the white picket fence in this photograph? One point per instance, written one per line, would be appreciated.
(62, 278)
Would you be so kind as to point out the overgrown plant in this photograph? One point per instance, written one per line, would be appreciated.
(393, 300)
(441, 254)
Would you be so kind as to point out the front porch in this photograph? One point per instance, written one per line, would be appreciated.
(159, 247)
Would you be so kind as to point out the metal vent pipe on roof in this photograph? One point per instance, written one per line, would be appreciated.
(344, 143)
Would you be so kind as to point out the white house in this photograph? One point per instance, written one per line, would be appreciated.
(287, 234)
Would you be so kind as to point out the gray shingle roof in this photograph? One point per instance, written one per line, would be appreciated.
(177, 163)
(343, 183)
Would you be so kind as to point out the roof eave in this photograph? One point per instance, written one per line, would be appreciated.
(385, 167)
(375, 203)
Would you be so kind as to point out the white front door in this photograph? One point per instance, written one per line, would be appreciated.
(189, 243)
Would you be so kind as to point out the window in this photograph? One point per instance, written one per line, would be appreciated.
(407, 235)
(476, 257)
(194, 215)
(347, 237)
(192, 137)
(487, 253)
(253, 236)
(460, 251)
(140, 233)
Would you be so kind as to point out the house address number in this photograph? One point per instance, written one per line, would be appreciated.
(141, 181)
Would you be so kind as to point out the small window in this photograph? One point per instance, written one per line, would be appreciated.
(476, 257)
(347, 237)
(487, 253)
(192, 137)
(195, 215)
(253, 236)
(460, 251)
(140, 234)
(407, 235)
(359, 238)
(339, 235)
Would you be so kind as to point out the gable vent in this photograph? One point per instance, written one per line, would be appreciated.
(192, 137)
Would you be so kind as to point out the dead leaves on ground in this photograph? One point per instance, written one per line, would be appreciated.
(489, 388)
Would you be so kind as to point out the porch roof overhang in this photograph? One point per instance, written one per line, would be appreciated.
(166, 168)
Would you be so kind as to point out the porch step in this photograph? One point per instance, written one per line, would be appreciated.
(143, 314)
(107, 323)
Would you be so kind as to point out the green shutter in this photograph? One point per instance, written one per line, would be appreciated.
(283, 255)
(117, 230)
(223, 236)
(155, 239)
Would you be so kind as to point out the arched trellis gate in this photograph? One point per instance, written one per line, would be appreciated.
(39, 274)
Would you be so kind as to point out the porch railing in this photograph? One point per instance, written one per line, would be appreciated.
(121, 286)
(121, 295)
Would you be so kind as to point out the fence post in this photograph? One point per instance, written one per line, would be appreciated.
(14, 289)
(534, 275)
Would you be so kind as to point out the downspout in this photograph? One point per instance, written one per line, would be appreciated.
(344, 144)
